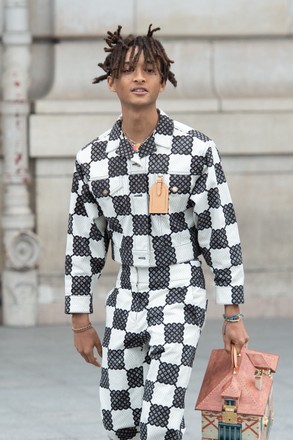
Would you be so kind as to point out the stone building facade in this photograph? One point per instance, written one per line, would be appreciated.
(234, 66)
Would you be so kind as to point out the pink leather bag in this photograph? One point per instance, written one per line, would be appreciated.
(235, 398)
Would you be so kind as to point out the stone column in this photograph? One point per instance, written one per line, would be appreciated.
(19, 280)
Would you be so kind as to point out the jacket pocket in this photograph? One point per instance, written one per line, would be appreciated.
(105, 187)
(111, 196)
(179, 192)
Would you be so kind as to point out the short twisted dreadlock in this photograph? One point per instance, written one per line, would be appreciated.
(152, 49)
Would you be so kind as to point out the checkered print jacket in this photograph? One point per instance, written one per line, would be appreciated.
(109, 204)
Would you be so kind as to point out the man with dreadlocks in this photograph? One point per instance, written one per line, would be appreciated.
(156, 190)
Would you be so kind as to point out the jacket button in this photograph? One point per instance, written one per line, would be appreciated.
(105, 192)
(174, 189)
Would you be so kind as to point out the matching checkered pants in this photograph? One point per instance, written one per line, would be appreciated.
(154, 318)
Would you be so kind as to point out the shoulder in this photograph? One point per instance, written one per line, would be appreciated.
(183, 130)
(95, 149)
(186, 130)
(198, 142)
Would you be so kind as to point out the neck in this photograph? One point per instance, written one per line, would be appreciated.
(138, 125)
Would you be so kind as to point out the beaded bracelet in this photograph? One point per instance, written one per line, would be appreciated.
(233, 318)
(82, 329)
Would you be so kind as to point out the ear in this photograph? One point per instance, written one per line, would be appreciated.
(163, 86)
(111, 83)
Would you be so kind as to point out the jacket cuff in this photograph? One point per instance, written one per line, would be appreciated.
(229, 295)
(78, 304)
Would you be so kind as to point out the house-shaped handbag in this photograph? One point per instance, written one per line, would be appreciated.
(236, 397)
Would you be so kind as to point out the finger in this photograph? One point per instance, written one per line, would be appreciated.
(91, 359)
(227, 345)
(94, 361)
(98, 346)
(230, 343)
(240, 345)
(226, 339)
(85, 357)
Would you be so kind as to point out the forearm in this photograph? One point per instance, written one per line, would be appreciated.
(80, 319)
(231, 309)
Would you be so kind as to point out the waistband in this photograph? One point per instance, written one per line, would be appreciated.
(160, 277)
(184, 252)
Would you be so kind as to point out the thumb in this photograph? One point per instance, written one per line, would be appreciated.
(228, 345)
(226, 338)
(98, 345)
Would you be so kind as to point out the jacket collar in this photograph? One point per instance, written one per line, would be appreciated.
(162, 136)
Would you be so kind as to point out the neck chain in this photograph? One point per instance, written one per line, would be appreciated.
(136, 145)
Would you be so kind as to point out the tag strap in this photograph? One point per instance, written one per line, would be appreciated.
(159, 197)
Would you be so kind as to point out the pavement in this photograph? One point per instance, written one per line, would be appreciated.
(47, 391)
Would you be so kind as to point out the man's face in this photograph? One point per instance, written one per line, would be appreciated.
(137, 87)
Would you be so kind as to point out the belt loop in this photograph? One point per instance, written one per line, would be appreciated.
(133, 278)
(142, 278)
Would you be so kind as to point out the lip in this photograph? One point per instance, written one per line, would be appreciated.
(139, 90)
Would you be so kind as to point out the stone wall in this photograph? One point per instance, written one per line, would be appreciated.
(234, 68)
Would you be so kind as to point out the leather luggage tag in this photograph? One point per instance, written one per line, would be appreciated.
(159, 197)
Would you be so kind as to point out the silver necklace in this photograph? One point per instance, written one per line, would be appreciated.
(136, 145)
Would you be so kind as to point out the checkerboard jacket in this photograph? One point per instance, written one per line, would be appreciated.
(109, 203)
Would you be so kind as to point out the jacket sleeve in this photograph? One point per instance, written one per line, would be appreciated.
(218, 235)
(87, 245)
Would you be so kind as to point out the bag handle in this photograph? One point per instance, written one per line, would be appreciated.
(234, 358)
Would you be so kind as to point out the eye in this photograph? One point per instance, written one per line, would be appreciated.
(150, 69)
(127, 69)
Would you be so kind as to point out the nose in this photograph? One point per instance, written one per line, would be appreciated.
(138, 75)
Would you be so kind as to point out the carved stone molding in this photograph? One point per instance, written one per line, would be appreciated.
(20, 293)
(20, 282)
(23, 251)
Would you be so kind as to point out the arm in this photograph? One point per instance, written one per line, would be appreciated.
(219, 241)
(86, 246)
(86, 249)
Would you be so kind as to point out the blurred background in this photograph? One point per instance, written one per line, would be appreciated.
(234, 66)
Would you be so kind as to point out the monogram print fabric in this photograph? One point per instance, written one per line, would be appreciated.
(154, 318)
(110, 200)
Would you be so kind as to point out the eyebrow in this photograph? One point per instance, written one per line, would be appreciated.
(146, 62)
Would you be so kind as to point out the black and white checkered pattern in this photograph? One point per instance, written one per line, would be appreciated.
(148, 350)
(109, 202)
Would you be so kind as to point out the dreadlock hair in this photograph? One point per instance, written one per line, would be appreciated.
(152, 49)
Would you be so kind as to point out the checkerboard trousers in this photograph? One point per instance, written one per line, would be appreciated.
(154, 318)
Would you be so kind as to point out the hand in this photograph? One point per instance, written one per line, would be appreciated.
(234, 333)
(85, 343)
